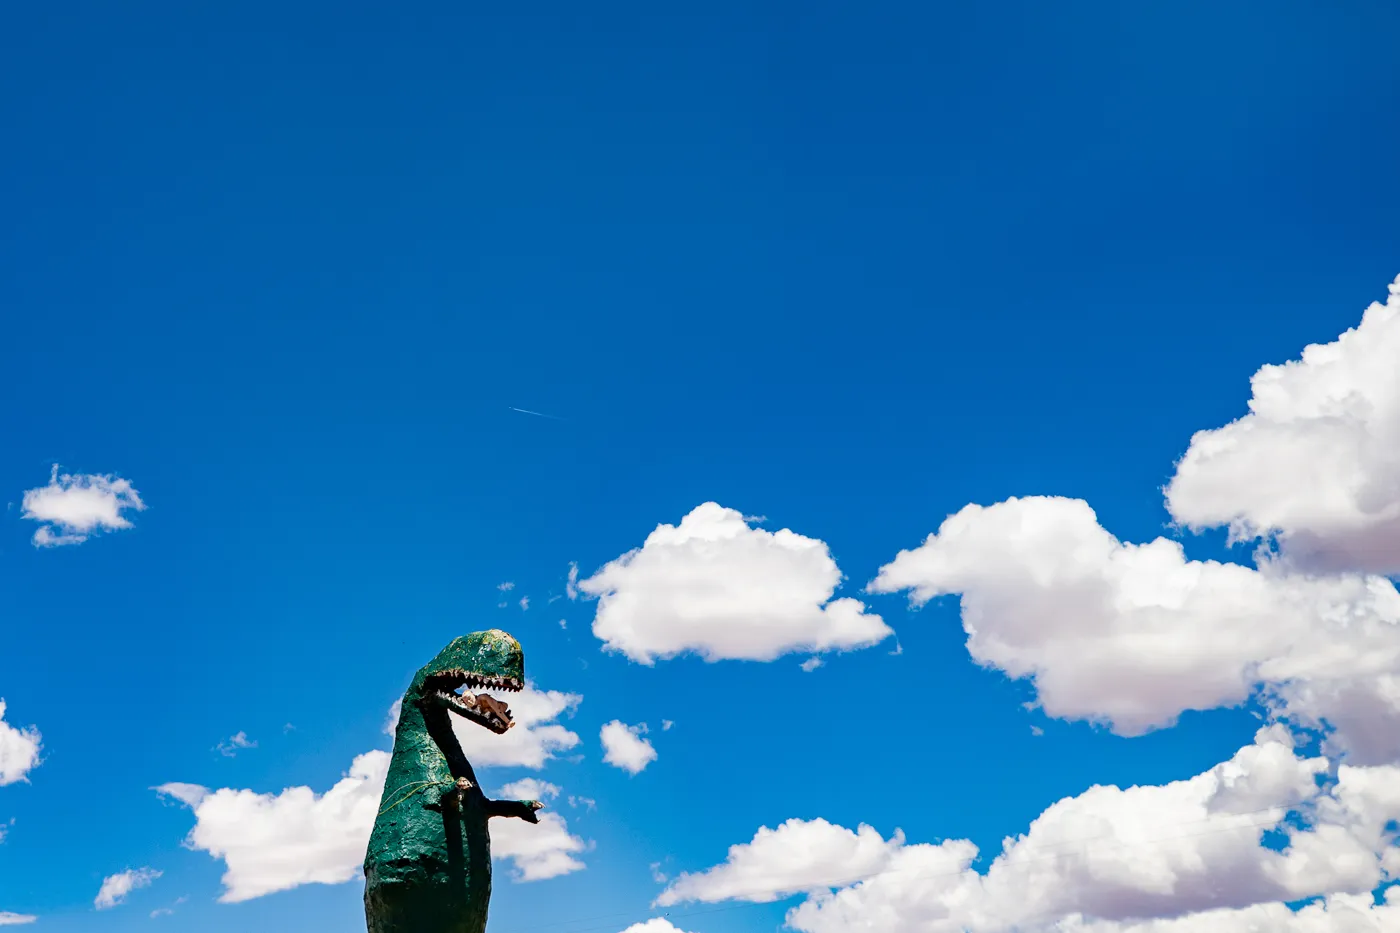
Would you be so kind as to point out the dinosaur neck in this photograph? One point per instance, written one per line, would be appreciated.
(427, 727)
(439, 727)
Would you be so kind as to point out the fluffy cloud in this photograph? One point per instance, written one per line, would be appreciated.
(116, 887)
(1109, 859)
(19, 750)
(654, 925)
(274, 842)
(718, 587)
(72, 507)
(1316, 462)
(624, 747)
(539, 850)
(8, 918)
(797, 856)
(1133, 634)
(1342, 913)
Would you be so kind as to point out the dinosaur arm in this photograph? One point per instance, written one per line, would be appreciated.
(520, 809)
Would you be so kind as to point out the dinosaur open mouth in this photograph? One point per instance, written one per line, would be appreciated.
(453, 690)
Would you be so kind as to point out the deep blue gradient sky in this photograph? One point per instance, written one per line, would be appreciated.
(847, 266)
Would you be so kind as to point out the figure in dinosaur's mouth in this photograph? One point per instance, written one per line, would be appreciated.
(452, 690)
(428, 866)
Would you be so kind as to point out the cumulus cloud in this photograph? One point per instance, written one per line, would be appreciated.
(1341, 913)
(624, 747)
(540, 850)
(716, 586)
(274, 842)
(19, 750)
(1133, 634)
(1106, 860)
(654, 925)
(72, 507)
(529, 789)
(1316, 461)
(116, 887)
(798, 856)
(8, 918)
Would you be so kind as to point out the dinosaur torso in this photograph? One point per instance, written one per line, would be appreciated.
(429, 861)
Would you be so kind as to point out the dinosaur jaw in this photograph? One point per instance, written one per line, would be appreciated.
(480, 708)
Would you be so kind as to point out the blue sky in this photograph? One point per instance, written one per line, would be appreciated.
(288, 273)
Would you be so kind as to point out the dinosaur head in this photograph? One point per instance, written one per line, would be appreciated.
(491, 660)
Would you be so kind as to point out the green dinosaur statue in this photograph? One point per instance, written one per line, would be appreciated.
(428, 867)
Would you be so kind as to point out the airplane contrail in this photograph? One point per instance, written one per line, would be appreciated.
(537, 414)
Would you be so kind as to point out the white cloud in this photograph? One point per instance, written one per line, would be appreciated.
(235, 743)
(505, 587)
(571, 584)
(716, 586)
(666, 725)
(1094, 862)
(524, 603)
(19, 750)
(8, 918)
(274, 842)
(654, 925)
(72, 507)
(1341, 913)
(534, 739)
(624, 747)
(811, 664)
(539, 850)
(1316, 461)
(529, 789)
(798, 856)
(188, 794)
(1132, 635)
(116, 887)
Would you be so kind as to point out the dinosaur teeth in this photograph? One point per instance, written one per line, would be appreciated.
(492, 682)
